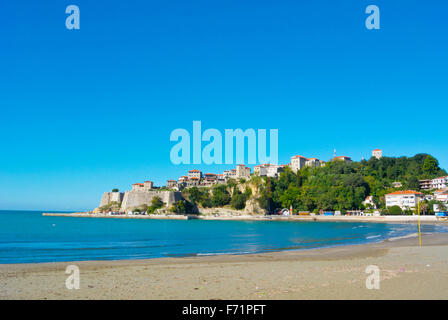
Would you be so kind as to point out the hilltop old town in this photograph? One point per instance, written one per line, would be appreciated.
(381, 185)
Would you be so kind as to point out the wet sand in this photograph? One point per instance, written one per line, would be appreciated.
(407, 271)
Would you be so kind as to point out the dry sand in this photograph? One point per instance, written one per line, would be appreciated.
(407, 272)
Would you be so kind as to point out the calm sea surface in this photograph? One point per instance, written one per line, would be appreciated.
(27, 236)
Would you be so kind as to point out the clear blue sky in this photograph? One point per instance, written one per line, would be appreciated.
(83, 111)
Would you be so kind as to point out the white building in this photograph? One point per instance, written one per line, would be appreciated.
(404, 199)
(441, 195)
(171, 184)
(242, 171)
(298, 162)
(377, 153)
(436, 183)
(439, 183)
(268, 170)
(194, 174)
(220, 178)
(369, 202)
(314, 162)
(146, 186)
(193, 181)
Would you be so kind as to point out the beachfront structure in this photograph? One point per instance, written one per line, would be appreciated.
(369, 202)
(377, 153)
(242, 171)
(436, 183)
(404, 199)
(342, 158)
(441, 195)
(194, 174)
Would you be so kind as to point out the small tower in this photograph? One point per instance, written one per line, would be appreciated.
(377, 153)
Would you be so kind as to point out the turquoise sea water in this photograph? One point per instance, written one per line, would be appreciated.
(27, 236)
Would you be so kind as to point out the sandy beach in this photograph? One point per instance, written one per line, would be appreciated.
(407, 271)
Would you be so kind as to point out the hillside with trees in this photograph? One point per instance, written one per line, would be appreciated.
(344, 186)
(336, 186)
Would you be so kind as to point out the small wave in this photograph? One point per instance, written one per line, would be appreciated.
(411, 235)
(222, 253)
(371, 237)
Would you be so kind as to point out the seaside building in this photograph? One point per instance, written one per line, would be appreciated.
(314, 162)
(193, 182)
(146, 186)
(171, 184)
(268, 170)
(441, 195)
(440, 182)
(220, 178)
(369, 202)
(242, 171)
(404, 199)
(138, 186)
(436, 183)
(425, 184)
(194, 174)
(377, 153)
(209, 178)
(298, 162)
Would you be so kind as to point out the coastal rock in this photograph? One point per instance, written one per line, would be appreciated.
(253, 207)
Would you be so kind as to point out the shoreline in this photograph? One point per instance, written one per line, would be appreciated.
(408, 272)
(395, 219)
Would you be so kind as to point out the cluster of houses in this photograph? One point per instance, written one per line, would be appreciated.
(197, 178)
(436, 183)
(408, 199)
(405, 199)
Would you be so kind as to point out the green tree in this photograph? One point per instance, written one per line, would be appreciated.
(430, 166)
(220, 197)
(238, 200)
(395, 210)
(156, 203)
(115, 190)
(195, 195)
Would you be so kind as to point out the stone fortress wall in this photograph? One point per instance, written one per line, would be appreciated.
(135, 198)
(109, 197)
